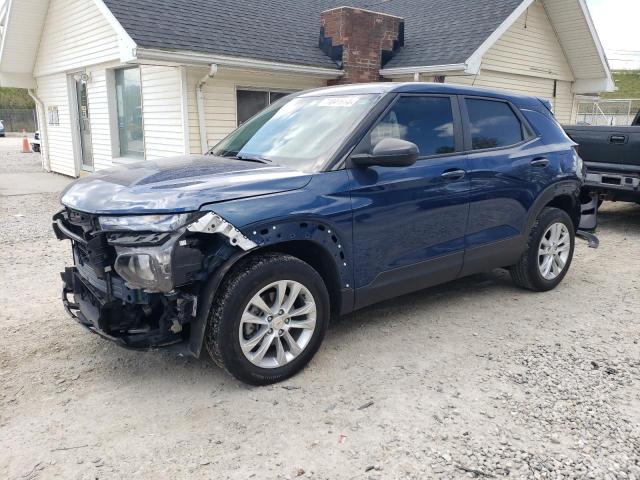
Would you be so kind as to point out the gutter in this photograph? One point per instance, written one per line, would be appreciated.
(428, 69)
(42, 125)
(204, 143)
(199, 59)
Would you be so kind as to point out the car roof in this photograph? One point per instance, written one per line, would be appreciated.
(426, 88)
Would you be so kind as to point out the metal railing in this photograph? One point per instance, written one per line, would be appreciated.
(614, 112)
(16, 120)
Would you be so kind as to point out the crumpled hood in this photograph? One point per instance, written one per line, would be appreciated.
(178, 184)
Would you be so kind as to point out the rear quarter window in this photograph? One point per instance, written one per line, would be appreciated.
(493, 124)
(547, 127)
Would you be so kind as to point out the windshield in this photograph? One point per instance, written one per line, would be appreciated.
(300, 132)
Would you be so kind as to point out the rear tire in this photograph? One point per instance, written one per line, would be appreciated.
(549, 252)
(262, 339)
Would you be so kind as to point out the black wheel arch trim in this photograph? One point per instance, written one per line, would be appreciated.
(565, 188)
(268, 235)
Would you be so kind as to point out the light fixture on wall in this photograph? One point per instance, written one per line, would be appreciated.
(81, 77)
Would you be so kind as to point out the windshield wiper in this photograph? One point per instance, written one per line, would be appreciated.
(252, 158)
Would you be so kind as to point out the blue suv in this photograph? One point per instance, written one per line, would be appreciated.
(326, 202)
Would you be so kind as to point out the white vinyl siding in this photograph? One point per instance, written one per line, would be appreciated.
(162, 111)
(572, 29)
(529, 47)
(53, 92)
(75, 35)
(564, 103)
(21, 41)
(220, 98)
(528, 59)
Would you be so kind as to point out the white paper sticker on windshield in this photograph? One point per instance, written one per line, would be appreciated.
(347, 101)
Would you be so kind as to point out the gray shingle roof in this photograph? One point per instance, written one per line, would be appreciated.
(437, 32)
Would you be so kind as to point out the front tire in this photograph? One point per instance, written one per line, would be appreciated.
(268, 318)
(549, 252)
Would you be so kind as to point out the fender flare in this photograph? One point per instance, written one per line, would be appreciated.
(570, 188)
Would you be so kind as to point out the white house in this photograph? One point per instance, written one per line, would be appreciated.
(121, 80)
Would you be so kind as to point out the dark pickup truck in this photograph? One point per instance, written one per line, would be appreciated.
(612, 158)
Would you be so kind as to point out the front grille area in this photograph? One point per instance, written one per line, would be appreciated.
(86, 270)
(80, 222)
(115, 287)
(93, 256)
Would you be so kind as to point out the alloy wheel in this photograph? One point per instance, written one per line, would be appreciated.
(553, 251)
(277, 324)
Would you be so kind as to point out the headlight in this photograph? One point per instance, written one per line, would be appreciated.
(147, 223)
(147, 267)
(142, 270)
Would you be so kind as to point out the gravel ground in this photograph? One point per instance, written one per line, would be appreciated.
(471, 379)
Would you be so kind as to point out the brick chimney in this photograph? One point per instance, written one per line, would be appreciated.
(361, 41)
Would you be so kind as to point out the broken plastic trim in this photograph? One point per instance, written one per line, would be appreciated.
(214, 223)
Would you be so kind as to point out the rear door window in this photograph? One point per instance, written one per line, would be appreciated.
(424, 120)
(493, 124)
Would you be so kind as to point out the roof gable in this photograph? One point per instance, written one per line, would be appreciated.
(530, 47)
(48, 36)
(577, 34)
(20, 39)
(75, 34)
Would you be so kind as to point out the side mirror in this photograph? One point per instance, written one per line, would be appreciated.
(389, 152)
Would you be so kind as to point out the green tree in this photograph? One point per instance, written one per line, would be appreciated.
(628, 83)
(11, 98)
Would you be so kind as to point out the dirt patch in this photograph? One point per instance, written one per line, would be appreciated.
(474, 378)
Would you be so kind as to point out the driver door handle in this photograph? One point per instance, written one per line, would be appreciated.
(453, 174)
(618, 139)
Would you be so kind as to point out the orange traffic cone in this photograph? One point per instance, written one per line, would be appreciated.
(25, 142)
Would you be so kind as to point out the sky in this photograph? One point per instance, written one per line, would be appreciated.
(617, 23)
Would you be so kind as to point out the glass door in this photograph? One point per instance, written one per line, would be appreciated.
(84, 125)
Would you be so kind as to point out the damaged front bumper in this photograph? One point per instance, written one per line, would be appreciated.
(135, 317)
(92, 309)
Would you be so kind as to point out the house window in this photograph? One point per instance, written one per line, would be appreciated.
(129, 104)
(250, 102)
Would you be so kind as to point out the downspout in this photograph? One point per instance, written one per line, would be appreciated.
(213, 69)
(42, 125)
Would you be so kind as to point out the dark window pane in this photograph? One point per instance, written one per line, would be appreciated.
(275, 96)
(493, 124)
(425, 121)
(250, 102)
